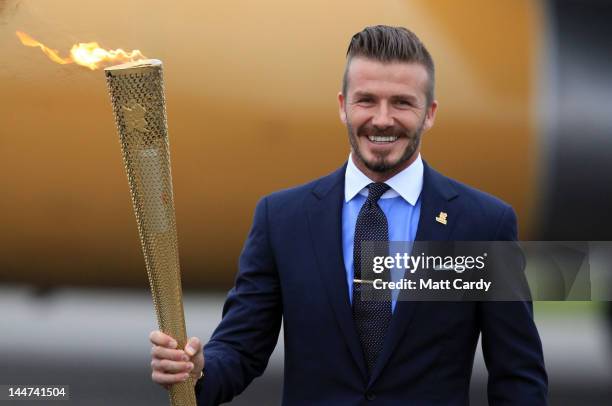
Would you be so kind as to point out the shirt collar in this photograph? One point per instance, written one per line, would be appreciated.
(407, 184)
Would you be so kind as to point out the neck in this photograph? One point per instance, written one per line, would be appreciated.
(386, 175)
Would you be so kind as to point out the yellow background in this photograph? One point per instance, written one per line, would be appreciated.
(251, 98)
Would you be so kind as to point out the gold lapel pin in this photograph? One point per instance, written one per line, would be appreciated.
(442, 218)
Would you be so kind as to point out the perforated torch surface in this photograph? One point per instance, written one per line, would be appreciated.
(137, 95)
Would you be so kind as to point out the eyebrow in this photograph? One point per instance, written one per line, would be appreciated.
(359, 94)
(407, 97)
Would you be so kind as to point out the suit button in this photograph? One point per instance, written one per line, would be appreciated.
(370, 396)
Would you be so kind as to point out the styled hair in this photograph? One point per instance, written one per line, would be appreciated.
(390, 44)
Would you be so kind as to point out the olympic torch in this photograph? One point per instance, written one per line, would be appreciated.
(137, 95)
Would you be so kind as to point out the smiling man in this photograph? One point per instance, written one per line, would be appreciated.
(390, 105)
(301, 265)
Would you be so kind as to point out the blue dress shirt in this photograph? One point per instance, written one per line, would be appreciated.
(401, 205)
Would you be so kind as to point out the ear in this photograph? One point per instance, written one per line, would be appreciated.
(341, 109)
(431, 115)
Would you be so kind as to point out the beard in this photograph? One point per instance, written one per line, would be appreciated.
(381, 164)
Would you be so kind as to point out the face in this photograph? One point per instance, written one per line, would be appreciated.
(385, 111)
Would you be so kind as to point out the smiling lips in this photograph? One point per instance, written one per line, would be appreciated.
(383, 139)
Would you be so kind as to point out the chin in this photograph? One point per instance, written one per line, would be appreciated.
(381, 165)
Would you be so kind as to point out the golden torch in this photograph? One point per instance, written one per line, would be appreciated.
(137, 95)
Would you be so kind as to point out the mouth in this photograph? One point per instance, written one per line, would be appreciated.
(379, 139)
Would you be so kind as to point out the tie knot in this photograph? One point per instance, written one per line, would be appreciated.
(376, 190)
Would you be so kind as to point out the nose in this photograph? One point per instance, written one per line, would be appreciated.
(382, 118)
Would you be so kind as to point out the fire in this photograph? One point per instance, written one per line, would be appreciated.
(87, 54)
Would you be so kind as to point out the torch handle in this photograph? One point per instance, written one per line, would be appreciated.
(164, 278)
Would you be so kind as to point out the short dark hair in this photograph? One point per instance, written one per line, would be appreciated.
(390, 44)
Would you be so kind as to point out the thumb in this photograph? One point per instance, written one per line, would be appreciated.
(194, 350)
(193, 346)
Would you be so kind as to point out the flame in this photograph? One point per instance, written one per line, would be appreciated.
(87, 54)
(51, 53)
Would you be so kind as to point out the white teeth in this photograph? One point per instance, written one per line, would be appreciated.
(375, 138)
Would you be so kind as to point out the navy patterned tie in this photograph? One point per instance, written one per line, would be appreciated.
(372, 317)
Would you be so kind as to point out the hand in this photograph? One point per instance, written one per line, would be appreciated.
(171, 365)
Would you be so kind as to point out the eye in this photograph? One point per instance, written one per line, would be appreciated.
(404, 103)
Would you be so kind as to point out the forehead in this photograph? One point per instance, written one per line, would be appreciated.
(387, 77)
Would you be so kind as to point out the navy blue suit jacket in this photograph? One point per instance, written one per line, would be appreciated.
(291, 268)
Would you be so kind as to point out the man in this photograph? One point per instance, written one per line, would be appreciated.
(299, 265)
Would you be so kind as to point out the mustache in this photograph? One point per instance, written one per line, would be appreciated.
(368, 130)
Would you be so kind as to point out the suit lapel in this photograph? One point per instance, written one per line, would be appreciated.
(325, 220)
(436, 198)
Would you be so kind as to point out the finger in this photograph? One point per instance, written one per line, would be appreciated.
(166, 353)
(193, 346)
(172, 367)
(164, 340)
(168, 379)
